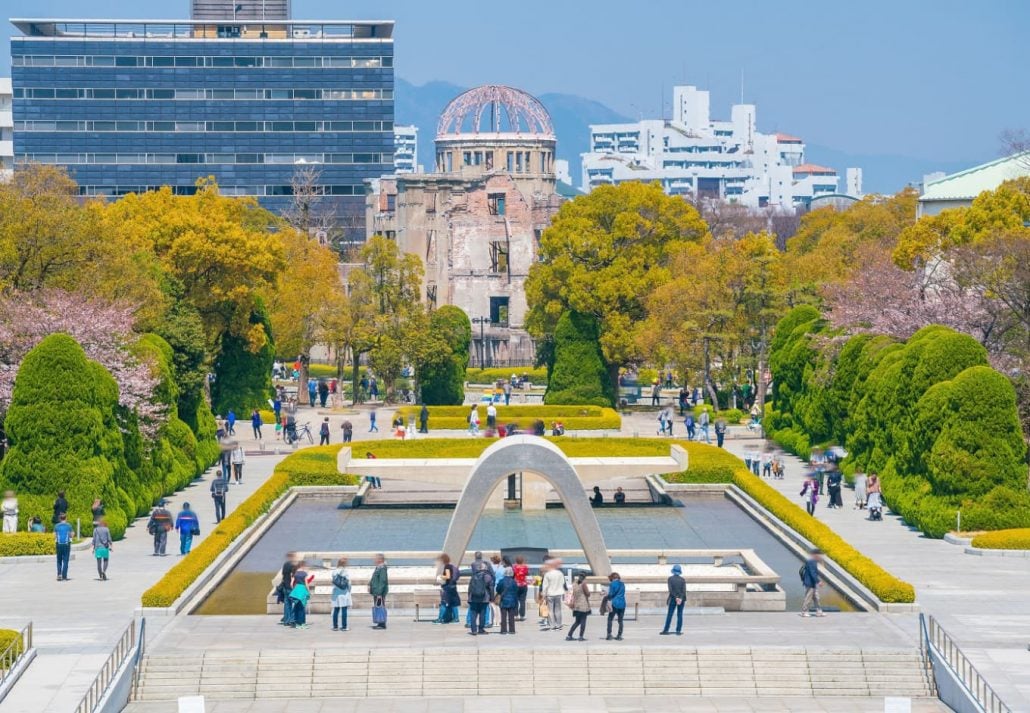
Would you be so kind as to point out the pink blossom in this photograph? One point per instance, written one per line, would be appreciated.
(103, 329)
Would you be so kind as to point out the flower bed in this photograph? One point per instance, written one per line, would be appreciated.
(311, 466)
(574, 418)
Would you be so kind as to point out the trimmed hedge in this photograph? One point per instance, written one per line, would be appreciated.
(8, 637)
(243, 377)
(536, 375)
(442, 378)
(25, 544)
(310, 466)
(1016, 539)
(579, 374)
(575, 418)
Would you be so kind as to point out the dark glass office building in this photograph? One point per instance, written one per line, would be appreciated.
(132, 105)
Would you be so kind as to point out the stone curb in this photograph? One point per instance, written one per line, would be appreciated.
(981, 552)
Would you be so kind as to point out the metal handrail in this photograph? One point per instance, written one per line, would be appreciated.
(140, 652)
(102, 682)
(975, 684)
(10, 656)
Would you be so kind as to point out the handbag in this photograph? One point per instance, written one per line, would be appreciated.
(606, 605)
(569, 598)
(379, 611)
(544, 609)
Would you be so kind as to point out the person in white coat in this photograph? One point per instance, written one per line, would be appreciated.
(474, 421)
(342, 599)
(10, 511)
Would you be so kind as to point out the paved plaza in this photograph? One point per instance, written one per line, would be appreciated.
(980, 601)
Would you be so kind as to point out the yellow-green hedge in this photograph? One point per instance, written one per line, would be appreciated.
(474, 447)
(24, 544)
(574, 418)
(310, 466)
(536, 375)
(9, 636)
(1016, 539)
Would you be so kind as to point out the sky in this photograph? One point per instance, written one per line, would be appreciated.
(929, 79)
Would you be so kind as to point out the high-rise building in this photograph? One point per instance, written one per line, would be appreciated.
(132, 105)
(6, 130)
(694, 155)
(405, 149)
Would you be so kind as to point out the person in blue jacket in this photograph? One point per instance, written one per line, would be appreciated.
(617, 602)
(187, 524)
(508, 591)
(312, 391)
(812, 580)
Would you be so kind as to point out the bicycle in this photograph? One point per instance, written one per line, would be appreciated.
(298, 433)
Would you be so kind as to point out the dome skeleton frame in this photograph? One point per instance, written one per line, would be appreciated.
(525, 114)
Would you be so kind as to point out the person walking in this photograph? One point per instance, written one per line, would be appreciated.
(720, 431)
(474, 420)
(63, 533)
(450, 600)
(553, 590)
(60, 507)
(507, 392)
(372, 427)
(312, 392)
(219, 487)
(860, 490)
(690, 425)
(379, 587)
(10, 511)
(230, 422)
(812, 580)
(661, 423)
(677, 597)
(255, 423)
(342, 599)
(580, 607)
(238, 458)
(102, 548)
(480, 592)
(158, 526)
(810, 493)
(833, 484)
(188, 526)
(491, 415)
(617, 603)
(323, 432)
(703, 421)
(508, 592)
(323, 392)
(656, 393)
(423, 419)
(521, 573)
(373, 388)
(277, 408)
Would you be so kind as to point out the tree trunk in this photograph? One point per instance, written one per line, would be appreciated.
(302, 378)
(354, 376)
(713, 396)
(613, 376)
(761, 386)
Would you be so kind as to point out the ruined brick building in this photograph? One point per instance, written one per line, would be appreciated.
(476, 220)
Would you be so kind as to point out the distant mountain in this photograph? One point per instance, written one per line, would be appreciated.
(571, 115)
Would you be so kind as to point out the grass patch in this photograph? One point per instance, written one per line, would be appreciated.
(310, 466)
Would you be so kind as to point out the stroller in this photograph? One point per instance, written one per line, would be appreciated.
(875, 505)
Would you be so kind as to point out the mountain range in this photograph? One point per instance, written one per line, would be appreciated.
(421, 105)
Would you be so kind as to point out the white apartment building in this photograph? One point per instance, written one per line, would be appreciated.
(405, 149)
(694, 155)
(6, 129)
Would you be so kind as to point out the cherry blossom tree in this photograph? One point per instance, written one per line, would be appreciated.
(104, 330)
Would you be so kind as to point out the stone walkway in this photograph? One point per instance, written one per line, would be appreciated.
(77, 623)
(982, 602)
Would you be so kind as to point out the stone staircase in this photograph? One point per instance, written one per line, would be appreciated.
(593, 670)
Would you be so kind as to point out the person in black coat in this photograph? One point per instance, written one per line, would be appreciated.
(677, 598)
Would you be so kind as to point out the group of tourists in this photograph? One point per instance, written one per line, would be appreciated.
(868, 493)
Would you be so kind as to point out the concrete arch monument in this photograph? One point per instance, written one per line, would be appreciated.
(537, 455)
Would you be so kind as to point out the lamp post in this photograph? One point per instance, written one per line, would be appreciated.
(482, 322)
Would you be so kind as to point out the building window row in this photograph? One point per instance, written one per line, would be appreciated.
(194, 94)
(218, 158)
(278, 190)
(218, 62)
(205, 126)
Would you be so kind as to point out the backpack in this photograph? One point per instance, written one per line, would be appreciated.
(478, 588)
(801, 573)
(325, 429)
(340, 581)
